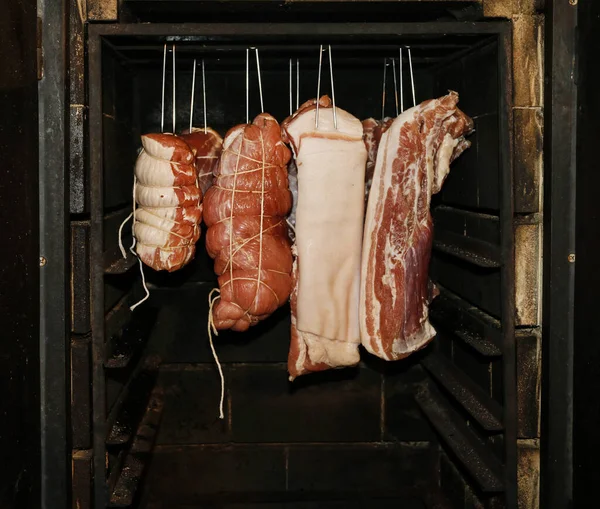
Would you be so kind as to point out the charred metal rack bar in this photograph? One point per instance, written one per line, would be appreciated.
(475, 420)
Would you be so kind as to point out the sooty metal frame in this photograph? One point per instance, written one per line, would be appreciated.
(98, 33)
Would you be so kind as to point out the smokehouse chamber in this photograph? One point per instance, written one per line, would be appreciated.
(455, 424)
(398, 434)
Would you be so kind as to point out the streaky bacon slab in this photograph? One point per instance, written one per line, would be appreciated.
(413, 161)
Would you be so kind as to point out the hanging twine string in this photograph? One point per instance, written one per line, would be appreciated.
(213, 330)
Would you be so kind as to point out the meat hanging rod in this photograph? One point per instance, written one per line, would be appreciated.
(262, 106)
(297, 85)
(173, 88)
(204, 95)
(395, 86)
(385, 66)
(260, 91)
(164, 74)
(162, 107)
(193, 93)
(319, 88)
(383, 95)
(412, 78)
(401, 83)
(213, 49)
(291, 79)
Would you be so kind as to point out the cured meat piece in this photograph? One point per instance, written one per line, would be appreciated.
(413, 161)
(329, 219)
(207, 145)
(245, 213)
(169, 210)
(293, 183)
(373, 130)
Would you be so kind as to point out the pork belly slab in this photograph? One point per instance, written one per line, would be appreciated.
(329, 219)
(413, 161)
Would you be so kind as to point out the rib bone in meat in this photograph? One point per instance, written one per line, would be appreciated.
(329, 219)
(413, 161)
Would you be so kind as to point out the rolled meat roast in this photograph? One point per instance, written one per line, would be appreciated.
(169, 202)
(245, 212)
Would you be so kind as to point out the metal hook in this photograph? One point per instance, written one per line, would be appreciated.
(412, 78)
(318, 87)
(173, 88)
(395, 85)
(162, 108)
(332, 88)
(203, 94)
(192, 95)
(262, 107)
(385, 64)
(291, 79)
(297, 83)
(400, 65)
(247, 85)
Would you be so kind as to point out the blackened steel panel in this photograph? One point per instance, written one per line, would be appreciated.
(19, 258)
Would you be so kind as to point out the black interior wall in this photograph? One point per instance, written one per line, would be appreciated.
(467, 354)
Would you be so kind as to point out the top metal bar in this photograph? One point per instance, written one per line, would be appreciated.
(175, 31)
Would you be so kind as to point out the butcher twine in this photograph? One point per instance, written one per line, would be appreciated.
(124, 253)
(132, 215)
(212, 300)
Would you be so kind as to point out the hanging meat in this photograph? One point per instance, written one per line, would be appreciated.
(293, 183)
(413, 161)
(169, 202)
(372, 132)
(329, 219)
(207, 144)
(245, 212)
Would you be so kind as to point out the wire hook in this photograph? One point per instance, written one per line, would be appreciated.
(173, 88)
(247, 86)
(332, 88)
(203, 94)
(162, 108)
(400, 65)
(297, 83)
(262, 107)
(395, 85)
(291, 79)
(385, 64)
(319, 87)
(192, 95)
(412, 78)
